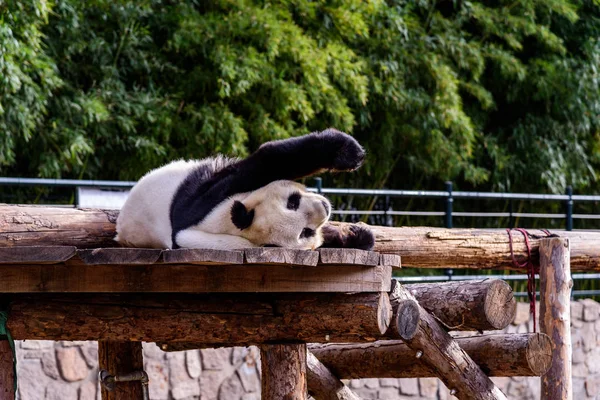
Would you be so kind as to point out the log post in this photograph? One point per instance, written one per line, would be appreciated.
(452, 364)
(322, 384)
(555, 318)
(483, 305)
(523, 354)
(283, 369)
(7, 376)
(120, 358)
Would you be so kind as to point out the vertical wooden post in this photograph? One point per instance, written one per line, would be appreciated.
(7, 376)
(555, 315)
(119, 358)
(283, 372)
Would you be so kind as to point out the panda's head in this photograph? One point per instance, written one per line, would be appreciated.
(282, 214)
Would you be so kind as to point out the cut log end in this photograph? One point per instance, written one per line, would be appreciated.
(500, 306)
(539, 354)
(407, 319)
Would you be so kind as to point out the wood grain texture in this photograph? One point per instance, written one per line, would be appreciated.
(283, 372)
(278, 255)
(555, 316)
(7, 376)
(186, 278)
(202, 257)
(425, 247)
(393, 260)
(348, 257)
(118, 256)
(36, 254)
(523, 354)
(322, 384)
(443, 354)
(119, 358)
(481, 305)
(210, 320)
(28, 225)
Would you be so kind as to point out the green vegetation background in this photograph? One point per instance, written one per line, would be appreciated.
(494, 95)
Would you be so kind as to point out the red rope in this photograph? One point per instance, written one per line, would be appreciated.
(530, 268)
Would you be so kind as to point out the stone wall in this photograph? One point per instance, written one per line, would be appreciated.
(68, 370)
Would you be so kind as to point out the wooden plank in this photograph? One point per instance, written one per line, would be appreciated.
(36, 254)
(202, 257)
(393, 260)
(119, 256)
(348, 257)
(186, 278)
(278, 255)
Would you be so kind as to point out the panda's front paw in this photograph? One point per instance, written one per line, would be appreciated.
(359, 236)
(346, 153)
(348, 236)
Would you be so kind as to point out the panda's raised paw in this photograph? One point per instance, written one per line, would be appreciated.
(347, 154)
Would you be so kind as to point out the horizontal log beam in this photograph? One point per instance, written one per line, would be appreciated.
(420, 247)
(526, 354)
(482, 305)
(424, 247)
(214, 320)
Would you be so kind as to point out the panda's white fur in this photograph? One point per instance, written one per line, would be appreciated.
(144, 219)
(225, 203)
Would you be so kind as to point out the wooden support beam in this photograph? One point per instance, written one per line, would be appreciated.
(188, 278)
(283, 372)
(210, 320)
(555, 316)
(483, 305)
(420, 247)
(7, 376)
(120, 358)
(451, 364)
(523, 354)
(322, 384)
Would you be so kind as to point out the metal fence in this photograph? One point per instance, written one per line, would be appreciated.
(448, 196)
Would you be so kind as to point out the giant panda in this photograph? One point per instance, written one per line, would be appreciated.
(227, 203)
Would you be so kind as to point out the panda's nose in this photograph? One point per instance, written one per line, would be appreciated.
(326, 206)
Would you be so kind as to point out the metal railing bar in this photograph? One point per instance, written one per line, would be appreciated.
(64, 182)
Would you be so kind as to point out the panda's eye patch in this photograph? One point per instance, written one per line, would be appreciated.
(307, 233)
(294, 201)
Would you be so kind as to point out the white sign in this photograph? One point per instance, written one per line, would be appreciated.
(101, 198)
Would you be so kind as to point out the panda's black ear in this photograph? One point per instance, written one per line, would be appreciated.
(240, 216)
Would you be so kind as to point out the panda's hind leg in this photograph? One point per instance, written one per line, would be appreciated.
(196, 239)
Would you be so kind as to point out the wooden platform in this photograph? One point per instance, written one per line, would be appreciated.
(66, 269)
